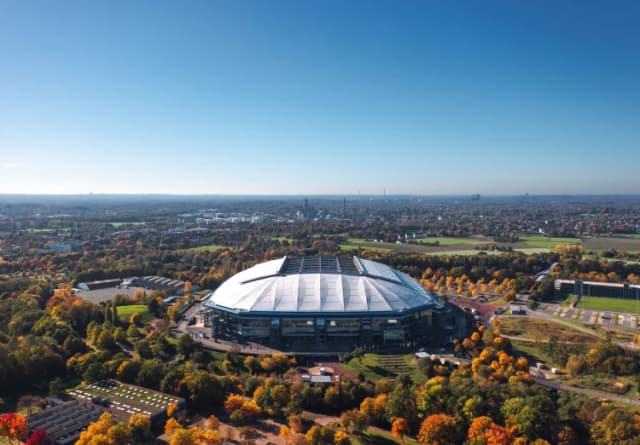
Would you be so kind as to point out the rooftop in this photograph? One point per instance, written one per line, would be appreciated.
(320, 284)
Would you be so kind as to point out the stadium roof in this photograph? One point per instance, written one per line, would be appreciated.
(320, 285)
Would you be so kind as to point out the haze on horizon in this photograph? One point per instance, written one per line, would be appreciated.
(228, 98)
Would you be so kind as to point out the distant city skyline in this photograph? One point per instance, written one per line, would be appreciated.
(319, 98)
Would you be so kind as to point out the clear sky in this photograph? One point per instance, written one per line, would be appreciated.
(322, 97)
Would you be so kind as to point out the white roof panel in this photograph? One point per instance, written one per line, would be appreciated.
(377, 288)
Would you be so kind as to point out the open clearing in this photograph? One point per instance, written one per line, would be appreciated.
(629, 244)
(451, 241)
(542, 241)
(527, 244)
(124, 312)
(608, 304)
(541, 330)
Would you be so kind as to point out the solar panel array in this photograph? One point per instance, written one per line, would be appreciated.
(64, 423)
(319, 264)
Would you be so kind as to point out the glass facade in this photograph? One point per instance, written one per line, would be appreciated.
(311, 333)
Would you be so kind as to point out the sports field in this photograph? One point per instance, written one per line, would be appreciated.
(609, 304)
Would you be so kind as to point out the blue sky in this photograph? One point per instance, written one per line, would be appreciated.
(325, 97)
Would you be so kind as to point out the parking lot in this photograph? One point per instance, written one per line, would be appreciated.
(591, 316)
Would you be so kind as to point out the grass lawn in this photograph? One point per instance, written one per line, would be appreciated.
(124, 312)
(615, 385)
(567, 301)
(546, 242)
(375, 366)
(533, 352)
(282, 238)
(541, 329)
(608, 304)
(205, 248)
(353, 247)
(451, 241)
(465, 252)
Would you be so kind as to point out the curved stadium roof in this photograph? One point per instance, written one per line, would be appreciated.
(320, 285)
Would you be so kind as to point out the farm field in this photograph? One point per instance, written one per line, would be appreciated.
(124, 312)
(540, 330)
(451, 241)
(608, 304)
(629, 244)
(446, 248)
(546, 242)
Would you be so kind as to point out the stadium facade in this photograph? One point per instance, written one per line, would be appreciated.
(318, 303)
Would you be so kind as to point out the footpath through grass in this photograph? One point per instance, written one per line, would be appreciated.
(608, 304)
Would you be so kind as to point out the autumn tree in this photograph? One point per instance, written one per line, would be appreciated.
(171, 426)
(439, 429)
(183, 436)
(341, 438)
(399, 428)
(39, 437)
(13, 427)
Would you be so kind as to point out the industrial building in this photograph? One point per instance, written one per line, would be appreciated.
(307, 304)
(597, 289)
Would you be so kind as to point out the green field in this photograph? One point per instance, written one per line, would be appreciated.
(205, 248)
(124, 312)
(546, 242)
(282, 238)
(451, 241)
(376, 366)
(608, 304)
(353, 247)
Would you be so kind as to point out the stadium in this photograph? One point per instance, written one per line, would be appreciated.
(329, 304)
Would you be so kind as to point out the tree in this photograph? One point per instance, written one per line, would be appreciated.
(39, 437)
(95, 371)
(619, 426)
(439, 429)
(171, 426)
(401, 403)
(186, 345)
(140, 427)
(341, 438)
(13, 426)
(172, 409)
(56, 387)
(477, 433)
(233, 402)
(353, 421)
(399, 428)
(183, 437)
